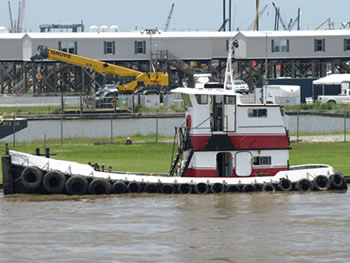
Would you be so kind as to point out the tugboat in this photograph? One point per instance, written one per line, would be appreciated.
(224, 146)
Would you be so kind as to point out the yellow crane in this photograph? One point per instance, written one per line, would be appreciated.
(256, 15)
(129, 80)
(324, 22)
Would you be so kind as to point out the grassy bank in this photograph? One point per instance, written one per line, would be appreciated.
(147, 156)
(33, 110)
(56, 109)
(319, 107)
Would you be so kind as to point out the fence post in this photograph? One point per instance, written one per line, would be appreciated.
(345, 113)
(298, 126)
(111, 129)
(61, 128)
(157, 128)
(14, 133)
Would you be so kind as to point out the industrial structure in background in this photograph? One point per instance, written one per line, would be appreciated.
(16, 26)
(258, 54)
(59, 28)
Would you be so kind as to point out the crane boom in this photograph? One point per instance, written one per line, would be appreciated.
(324, 22)
(262, 11)
(256, 15)
(21, 16)
(131, 80)
(169, 18)
(11, 21)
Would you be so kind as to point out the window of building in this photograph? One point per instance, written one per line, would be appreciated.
(347, 44)
(280, 45)
(202, 99)
(320, 45)
(140, 47)
(262, 160)
(109, 47)
(257, 113)
(69, 46)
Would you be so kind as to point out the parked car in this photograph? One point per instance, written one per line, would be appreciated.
(343, 98)
(240, 86)
(106, 98)
(106, 88)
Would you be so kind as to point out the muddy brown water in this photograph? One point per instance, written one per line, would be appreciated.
(257, 227)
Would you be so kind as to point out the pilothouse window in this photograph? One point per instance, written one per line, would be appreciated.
(230, 100)
(202, 99)
(257, 113)
(187, 100)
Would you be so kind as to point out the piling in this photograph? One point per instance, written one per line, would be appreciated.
(7, 172)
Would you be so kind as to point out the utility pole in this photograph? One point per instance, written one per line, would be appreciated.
(229, 16)
(224, 15)
(151, 32)
(257, 14)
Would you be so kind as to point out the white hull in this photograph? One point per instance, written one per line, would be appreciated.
(68, 168)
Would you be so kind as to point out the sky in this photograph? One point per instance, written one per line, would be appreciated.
(188, 15)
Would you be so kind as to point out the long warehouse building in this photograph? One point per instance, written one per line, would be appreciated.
(289, 53)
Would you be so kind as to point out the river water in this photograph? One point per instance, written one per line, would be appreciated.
(257, 227)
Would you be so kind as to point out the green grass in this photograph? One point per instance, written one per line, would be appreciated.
(319, 107)
(147, 156)
(336, 154)
(53, 109)
(33, 110)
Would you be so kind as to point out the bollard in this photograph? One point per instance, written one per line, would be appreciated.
(47, 152)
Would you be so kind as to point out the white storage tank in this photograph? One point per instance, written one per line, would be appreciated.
(103, 28)
(3, 30)
(113, 28)
(93, 28)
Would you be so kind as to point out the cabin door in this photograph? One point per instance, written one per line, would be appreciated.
(217, 114)
(243, 164)
(224, 164)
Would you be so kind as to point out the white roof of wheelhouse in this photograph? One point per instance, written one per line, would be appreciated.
(205, 91)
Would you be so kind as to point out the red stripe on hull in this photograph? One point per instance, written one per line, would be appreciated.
(246, 141)
(193, 172)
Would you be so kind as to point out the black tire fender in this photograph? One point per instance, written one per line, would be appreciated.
(54, 182)
(184, 188)
(268, 187)
(304, 185)
(233, 188)
(337, 180)
(134, 187)
(99, 186)
(119, 187)
(167, 189)
(322, 183)
(285, 184)
(201, 188)
(217, 188)
(151, 188)
(76, 185)
(249, 188)
(31, 178)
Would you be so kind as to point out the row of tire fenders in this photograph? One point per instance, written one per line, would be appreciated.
(55, 182)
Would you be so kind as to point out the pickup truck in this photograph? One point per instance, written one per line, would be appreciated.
(343, 98)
